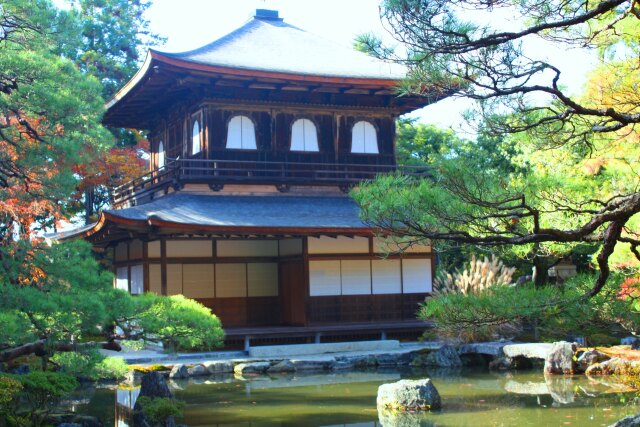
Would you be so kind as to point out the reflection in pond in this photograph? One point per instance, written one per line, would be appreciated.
(470, 397)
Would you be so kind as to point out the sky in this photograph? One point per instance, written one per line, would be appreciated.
(189, 24)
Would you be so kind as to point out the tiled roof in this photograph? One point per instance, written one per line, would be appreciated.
(270, 44)
(248, 211)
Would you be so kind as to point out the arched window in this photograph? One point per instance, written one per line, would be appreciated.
(364, 138)
(160, 156)
(304, 136)
(195, 138)
(241, 133)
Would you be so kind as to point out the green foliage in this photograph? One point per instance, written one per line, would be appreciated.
(114, 368)
(9, 391)
(27, 400)
(181, 323)
(552, 312)
(74, 300)
(159, 409)
(91, 365)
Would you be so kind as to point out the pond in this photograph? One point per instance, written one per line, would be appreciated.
(470, 398)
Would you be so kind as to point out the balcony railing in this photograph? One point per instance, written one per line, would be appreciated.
(220, 172)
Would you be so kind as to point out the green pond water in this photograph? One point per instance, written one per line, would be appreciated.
(470, 398)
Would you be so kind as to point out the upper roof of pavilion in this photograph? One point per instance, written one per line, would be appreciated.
(265, 53)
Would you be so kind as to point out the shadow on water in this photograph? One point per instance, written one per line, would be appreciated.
(470, 397)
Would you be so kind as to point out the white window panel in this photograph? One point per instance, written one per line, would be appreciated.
(241, 133)
(197, 281)
(122, 278)
(324, 278)
(137, 279)
(304, 136)
(161, 155)
(195, 138)
(356, 277)
(263, 279)
(386, 276)
(416, 276)
(231, 280)
(364, 138)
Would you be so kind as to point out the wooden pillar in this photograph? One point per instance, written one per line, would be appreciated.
(163, 266)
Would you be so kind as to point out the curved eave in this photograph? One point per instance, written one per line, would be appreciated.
(247, 72)
(153, 56)
(144, 225)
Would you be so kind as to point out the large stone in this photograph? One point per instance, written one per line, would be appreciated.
(529, 350)
(317, 364)
(590, 357)
(612, 366)
(198, 371)
(153, 385)
(322, 348)
(282, 367)
(487, 348)
(359, 360)
(251, 368)
(219, 367)
(630, 421)
(409, 395)
(560, 359)
(445, 357)
(179, 371)
(387, 359)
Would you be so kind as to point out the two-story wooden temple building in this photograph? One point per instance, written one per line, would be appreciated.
(256, 139)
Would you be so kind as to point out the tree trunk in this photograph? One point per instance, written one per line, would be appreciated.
(41, 349)
(541, 267)
(89, 199)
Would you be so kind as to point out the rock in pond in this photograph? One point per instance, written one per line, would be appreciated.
(179, 371)
(445, 357)
(630, 421)
(198, 371)
(316, 364)
(282, 367)
(153, 385)
(219, 367)
(560, 359)
(251, 368)
(409, 395)
(590, 357)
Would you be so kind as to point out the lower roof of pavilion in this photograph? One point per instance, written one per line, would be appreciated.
(183, 215)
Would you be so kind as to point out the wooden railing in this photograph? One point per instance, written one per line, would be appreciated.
(220, 172)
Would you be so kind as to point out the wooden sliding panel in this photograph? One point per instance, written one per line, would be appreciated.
(121, 252)
(155, 278)
(289, 247)
(189, 249)
(153, 249)
(198, 281)
(247, 248)
(174, 279)
(339, 245)
(231, 280)
(262, 279)
(135, 249)
(416, 276)
(386, 277)
(324, 278)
